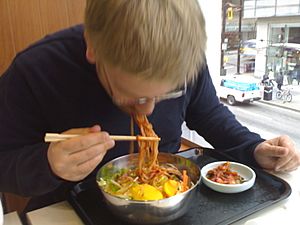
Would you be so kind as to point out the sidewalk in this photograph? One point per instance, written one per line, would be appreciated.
(293, 105)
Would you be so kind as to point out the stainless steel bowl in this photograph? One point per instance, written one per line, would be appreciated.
(157, 211)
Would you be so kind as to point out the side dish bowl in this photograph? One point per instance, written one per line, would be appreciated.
(154, 211)
(244, 171)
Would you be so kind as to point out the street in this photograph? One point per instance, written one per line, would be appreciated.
(269, 121)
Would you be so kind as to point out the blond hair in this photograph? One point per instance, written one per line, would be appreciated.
(157, 39)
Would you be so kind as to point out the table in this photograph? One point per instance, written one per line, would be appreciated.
(60, 213)
(12, 219)
(63, 214)
(284, 212)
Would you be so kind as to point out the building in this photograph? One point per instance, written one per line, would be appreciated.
(277, 34)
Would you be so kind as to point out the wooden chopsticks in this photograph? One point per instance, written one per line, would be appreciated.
(53, 137)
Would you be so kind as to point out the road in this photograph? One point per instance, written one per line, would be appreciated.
(269, 121)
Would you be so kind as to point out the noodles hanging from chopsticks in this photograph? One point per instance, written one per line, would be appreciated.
(149, 170)
(148, 150)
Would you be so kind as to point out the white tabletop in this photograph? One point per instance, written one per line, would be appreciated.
(284, 212)
(12, 219)
(277, 214)
(60, 213)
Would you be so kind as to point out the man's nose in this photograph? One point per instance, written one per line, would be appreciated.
(146, 108)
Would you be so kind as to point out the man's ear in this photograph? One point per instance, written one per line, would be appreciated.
(90, 53)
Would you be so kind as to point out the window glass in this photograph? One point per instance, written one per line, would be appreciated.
(249, 8)
(287, 10)
(265, 8)
(289, 2)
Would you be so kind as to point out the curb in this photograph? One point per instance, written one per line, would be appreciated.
(279, 105)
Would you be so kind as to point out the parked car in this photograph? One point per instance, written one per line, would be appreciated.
(239, 88)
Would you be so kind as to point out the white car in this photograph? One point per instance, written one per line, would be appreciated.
(239, 88)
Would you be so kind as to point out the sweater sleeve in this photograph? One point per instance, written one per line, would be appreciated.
(23, 154)
(213, 121)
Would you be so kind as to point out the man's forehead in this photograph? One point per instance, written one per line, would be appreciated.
(135, 86)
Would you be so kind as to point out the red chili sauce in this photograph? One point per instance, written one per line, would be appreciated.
(223, 175)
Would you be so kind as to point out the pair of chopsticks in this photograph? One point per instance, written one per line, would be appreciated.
(53, 137)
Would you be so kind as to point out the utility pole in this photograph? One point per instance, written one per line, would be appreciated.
(237, 8)
(224, 11)
(240, 37)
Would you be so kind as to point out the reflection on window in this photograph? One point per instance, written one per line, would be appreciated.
(289, 2)
(287, 10)
(277, 35)
(249, 8)
(265, 12)
(265, 3)
(269, 8)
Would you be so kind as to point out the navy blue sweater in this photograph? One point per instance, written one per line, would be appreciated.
(50, 87)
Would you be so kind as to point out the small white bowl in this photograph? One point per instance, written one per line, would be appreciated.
(244, 171)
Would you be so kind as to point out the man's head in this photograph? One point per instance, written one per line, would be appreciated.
(161, 42)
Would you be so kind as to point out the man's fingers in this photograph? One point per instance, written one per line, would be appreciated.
(275, 151)
(80, 157)
(76, 165)
(95, 128)
(86, 141)
(289, 163)
(284, 164)
(86, 130)
(277, 154)
(78, 131)
(88, 166)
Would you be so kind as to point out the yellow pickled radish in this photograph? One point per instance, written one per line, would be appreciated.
(145, 192)
(171, 187)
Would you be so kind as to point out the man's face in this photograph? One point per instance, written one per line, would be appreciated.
(131, 93)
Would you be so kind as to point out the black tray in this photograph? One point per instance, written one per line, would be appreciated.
(211, 208)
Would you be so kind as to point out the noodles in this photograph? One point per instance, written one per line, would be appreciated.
(148, 150)
(148, 180)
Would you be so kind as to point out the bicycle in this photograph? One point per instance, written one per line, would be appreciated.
(285, 94)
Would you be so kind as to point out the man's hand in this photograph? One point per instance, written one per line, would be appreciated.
(75, 158)
(278, 154)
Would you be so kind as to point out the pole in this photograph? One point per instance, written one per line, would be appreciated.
(240, 38)
(223, 37)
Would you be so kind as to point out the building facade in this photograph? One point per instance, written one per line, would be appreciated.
(278, 35)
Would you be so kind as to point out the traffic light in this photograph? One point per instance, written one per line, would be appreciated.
(230, 13)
